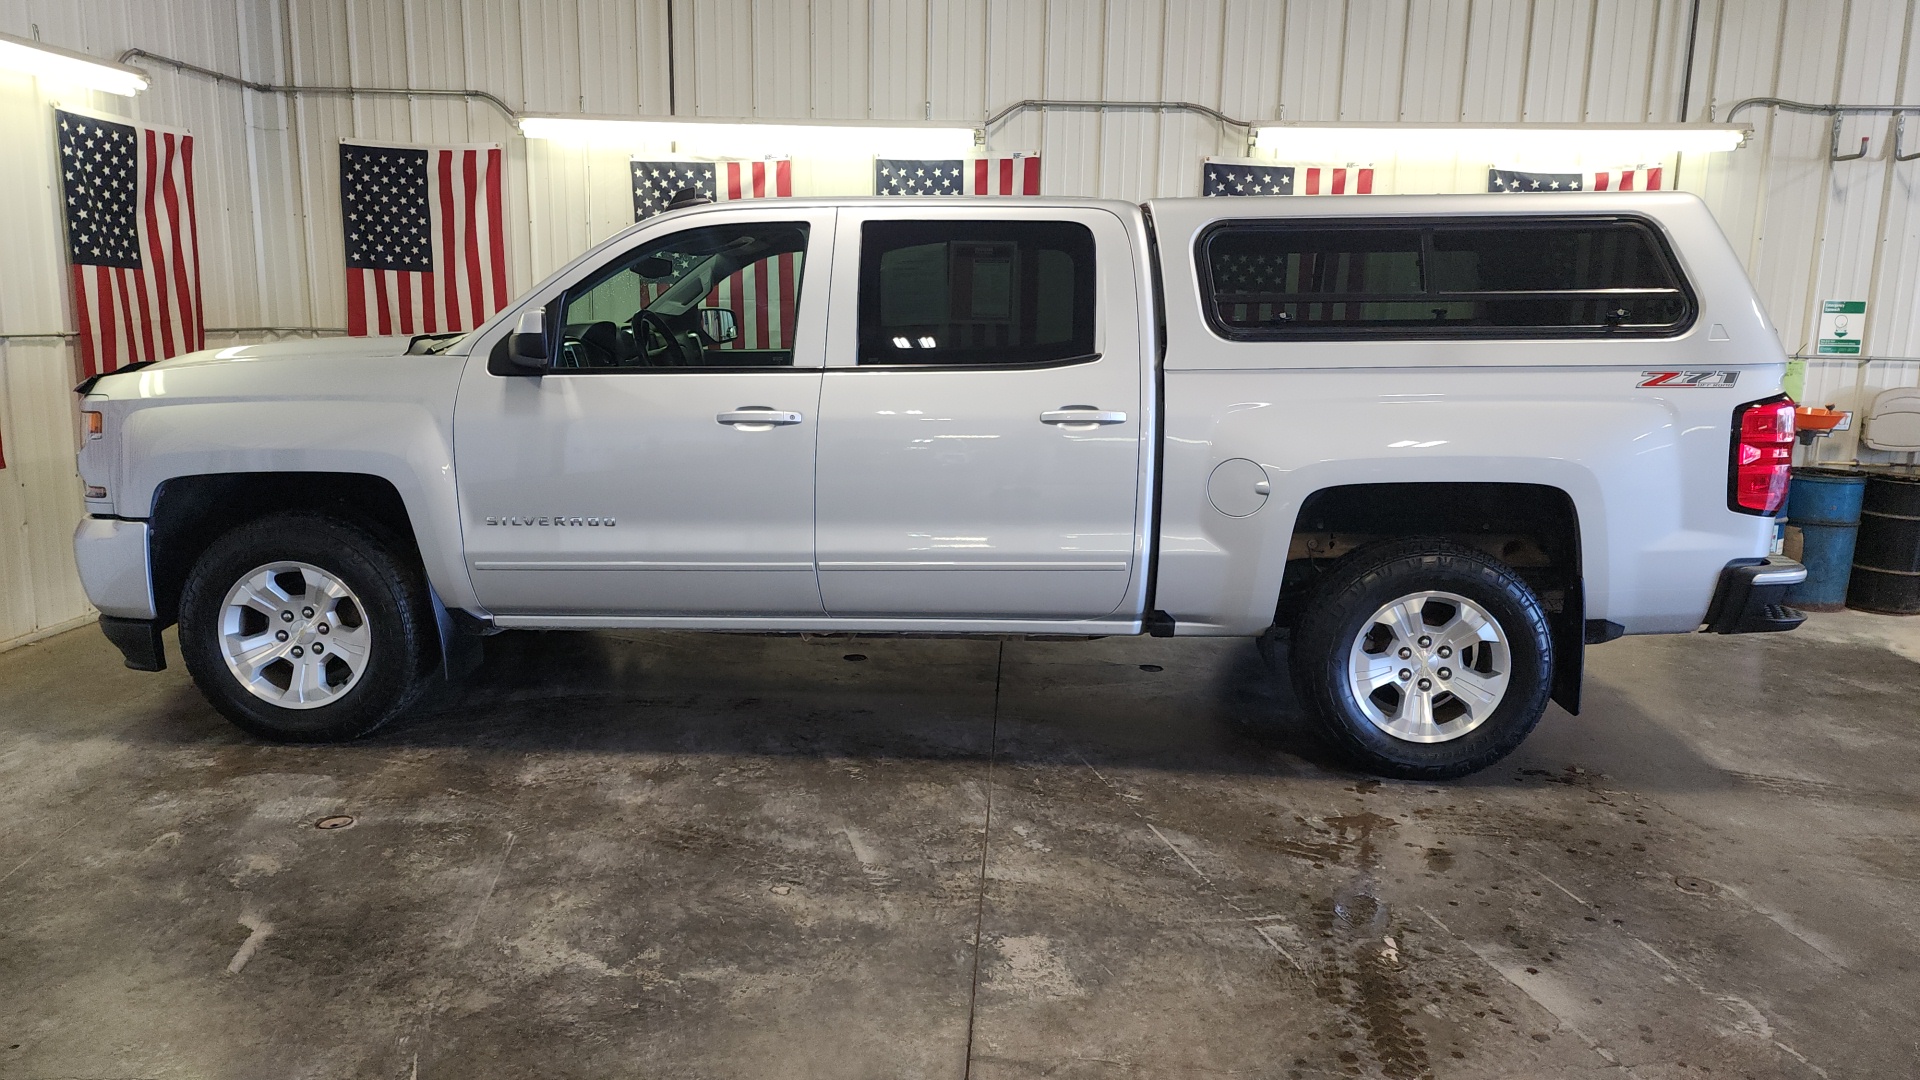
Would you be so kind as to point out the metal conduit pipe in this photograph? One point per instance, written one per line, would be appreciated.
(1158, 106)
(1837, 111)
(131, 55)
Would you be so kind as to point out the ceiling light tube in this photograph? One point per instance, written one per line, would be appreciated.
(753, 138)
(69, 68)
(1612, 143)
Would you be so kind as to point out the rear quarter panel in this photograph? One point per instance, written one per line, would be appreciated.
(1645, 467)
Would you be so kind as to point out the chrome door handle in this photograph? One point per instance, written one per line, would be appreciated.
(758, 417)
(1082, 414)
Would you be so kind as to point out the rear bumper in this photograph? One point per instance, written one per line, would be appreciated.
(1751, 597)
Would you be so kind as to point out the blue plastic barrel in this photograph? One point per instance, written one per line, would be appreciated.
(1824, 504)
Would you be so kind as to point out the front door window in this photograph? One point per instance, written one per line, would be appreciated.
(724, 296)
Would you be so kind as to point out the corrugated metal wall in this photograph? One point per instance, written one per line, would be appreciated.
(1809, 229)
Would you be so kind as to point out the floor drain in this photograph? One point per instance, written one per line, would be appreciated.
(1696, 886)
(1151, 667)
(856, 656)
(338, 821)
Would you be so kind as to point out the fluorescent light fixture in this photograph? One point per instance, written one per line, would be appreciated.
(754, 138)
(1612, 143)
(70, 68)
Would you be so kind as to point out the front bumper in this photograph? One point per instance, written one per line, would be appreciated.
(1751, 594)
(116, 566)
(116, 569)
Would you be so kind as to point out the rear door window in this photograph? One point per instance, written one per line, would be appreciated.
(976, 293)
(1509, 278)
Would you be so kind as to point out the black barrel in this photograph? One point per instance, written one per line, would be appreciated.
(1886, 560)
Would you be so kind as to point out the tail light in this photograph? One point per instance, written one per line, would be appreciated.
(1762, 456)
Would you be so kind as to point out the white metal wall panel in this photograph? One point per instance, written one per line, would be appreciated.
(1192, 71)
(1375, 50)
(899, 48)
(1559, 54)
(1625, 33)
(1494, 77)
(1129, 139)
(956, 70)
(831, 76)
(1076, 33)
(1435, 59)
(1313, 60)
(1253, 32)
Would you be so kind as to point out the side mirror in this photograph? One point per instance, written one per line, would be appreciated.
(717, 324)
(527, 345)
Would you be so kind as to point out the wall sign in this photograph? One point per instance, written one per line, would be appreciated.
(1841, 324)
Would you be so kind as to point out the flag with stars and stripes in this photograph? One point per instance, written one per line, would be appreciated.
(655, 183)
(761, 295)
(994, 174)
(1220, 177)
(131, 240)
(1642, 178)
(425, 237)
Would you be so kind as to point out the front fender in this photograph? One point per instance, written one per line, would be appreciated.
(404, 443)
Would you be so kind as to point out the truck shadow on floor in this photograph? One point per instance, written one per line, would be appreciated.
(1194, 705)
(1200, 705)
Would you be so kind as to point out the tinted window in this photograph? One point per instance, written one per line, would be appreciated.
(1541, 278)
(669, 303)
(972, 292)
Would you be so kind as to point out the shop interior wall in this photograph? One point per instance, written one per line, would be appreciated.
(1809, 229)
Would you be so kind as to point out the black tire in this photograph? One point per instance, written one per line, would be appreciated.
(392, 600)
(1342, 607)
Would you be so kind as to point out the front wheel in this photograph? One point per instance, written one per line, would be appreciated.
(305, 628)
(1425, 659)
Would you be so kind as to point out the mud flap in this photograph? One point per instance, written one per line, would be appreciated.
(1569, 629)
(460, 652)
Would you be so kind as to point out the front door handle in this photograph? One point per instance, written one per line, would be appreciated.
(758, 418)
(1082, 414)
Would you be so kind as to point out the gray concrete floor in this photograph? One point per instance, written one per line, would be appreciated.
(637, 855)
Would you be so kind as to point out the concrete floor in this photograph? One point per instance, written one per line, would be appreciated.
(636, 855)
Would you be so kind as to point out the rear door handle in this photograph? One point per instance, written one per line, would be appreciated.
(758, 418)
(1082, 414)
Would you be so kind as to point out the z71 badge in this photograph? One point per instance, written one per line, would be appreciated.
(1707, 379)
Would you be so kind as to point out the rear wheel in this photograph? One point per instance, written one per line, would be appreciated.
(305, 628)
(1425, 659)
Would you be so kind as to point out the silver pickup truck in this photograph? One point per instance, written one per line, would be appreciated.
(1442, 442)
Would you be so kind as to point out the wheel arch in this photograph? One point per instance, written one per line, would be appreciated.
(1534, 528)
(191, 512)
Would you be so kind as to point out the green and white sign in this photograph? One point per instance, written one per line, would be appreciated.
(1841, 324)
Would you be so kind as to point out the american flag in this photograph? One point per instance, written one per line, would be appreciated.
(131, 240)
(762, 296)
(997, 174)
(1250, 178)
(1241, 178)
(1507, 180)
(655, 183)
(426, 250)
